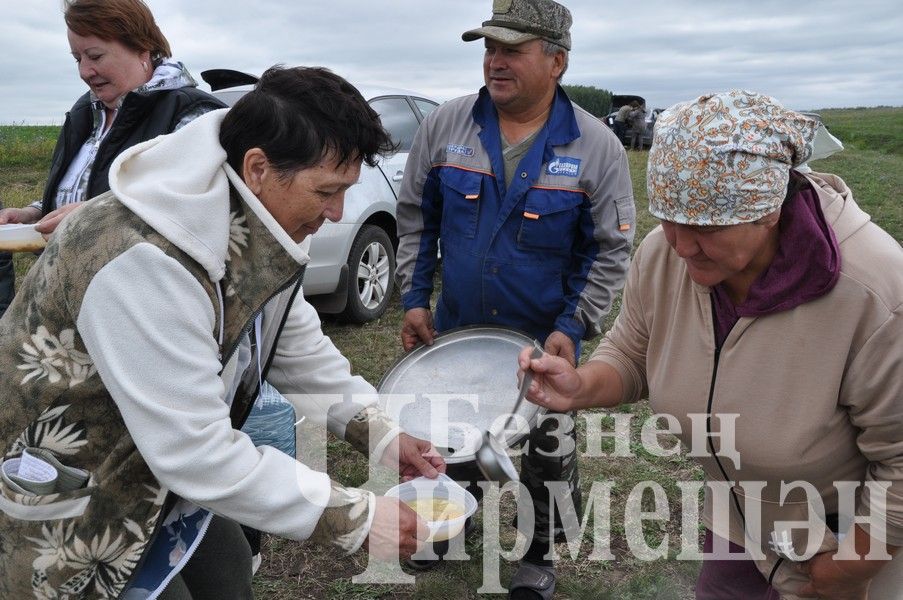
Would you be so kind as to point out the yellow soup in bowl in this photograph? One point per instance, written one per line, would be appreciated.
(436, 509)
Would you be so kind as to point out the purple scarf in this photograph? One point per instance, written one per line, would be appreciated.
(805, 267)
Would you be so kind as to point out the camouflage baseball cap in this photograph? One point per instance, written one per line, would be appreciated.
(517, 21)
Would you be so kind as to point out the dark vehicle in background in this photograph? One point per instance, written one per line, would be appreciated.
(352, 263)
(824, 145)
(617, 101)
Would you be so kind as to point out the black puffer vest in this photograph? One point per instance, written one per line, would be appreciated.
(143, 116)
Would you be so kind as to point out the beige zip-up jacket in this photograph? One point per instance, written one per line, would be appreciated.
(818, 389)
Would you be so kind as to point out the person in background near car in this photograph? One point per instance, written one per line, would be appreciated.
(637, 118)
(622, 120)
(136, 91)
(770, 297)
(531, 200)
(163, 304)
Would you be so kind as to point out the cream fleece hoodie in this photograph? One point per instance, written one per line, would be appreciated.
(152, 344)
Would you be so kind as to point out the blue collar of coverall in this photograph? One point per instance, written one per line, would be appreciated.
(561, 124)
(560, 128)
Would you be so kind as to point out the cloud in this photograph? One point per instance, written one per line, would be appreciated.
(807, 54)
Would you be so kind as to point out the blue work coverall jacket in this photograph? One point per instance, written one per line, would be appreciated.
(547, 253)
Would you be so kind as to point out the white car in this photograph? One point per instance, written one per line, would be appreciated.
(352, 263)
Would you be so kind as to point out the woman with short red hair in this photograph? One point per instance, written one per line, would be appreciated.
(136, 91)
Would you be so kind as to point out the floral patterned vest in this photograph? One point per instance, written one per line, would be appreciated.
(88, 542)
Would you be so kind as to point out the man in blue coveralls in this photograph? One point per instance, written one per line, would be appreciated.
(531, 198)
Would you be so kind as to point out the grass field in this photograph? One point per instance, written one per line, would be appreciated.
(878, 129)
(873, 167)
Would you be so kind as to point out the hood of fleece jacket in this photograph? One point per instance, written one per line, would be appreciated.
(179, 185)
(840, 210)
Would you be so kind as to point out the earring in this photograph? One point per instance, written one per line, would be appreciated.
(144, 66)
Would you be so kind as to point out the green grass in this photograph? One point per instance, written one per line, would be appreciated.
(873, 167)
(28, 147)
(879, 129)
(876, 179)
(24, 159)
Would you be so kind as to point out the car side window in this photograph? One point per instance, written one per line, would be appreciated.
(399, 119)
(425, 106)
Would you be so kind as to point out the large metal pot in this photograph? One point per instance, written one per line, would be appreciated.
(460, 387)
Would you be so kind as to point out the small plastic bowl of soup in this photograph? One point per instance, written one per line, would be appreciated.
(441, 502)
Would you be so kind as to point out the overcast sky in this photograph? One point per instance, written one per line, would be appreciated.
(808, 54)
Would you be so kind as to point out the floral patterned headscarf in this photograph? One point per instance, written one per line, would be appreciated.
(725, 158)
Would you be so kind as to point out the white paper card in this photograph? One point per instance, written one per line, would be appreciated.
(34, 469)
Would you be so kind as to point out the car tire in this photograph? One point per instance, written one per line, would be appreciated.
(371, 275)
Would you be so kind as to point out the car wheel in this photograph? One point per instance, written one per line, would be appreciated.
(371, 273)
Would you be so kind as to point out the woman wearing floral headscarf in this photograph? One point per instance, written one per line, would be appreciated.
(769, 303)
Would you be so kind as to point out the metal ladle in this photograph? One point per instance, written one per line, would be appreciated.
(494, 464)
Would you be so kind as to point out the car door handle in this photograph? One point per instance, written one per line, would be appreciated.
(398, 176)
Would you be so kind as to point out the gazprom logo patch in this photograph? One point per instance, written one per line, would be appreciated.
(564, 166)
(459, 149)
